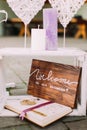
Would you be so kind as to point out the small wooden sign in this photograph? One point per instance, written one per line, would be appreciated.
(54, 81)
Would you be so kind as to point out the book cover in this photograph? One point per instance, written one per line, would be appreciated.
(37, 110)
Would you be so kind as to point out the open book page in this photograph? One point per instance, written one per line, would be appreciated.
(43, 115)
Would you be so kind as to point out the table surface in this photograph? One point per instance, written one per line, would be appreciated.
(29, 52)
(13, 122)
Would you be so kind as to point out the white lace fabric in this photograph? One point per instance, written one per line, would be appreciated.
(66, 9)
(26, 9)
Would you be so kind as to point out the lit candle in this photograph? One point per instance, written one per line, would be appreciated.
(38, 39)
(50, 24)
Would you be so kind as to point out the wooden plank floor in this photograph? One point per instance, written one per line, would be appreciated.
(66, 123)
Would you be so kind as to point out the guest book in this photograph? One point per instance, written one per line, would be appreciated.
(52, 92)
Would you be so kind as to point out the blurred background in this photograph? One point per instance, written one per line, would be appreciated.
(77, 28)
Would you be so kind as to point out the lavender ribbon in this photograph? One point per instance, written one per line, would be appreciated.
(23, 113)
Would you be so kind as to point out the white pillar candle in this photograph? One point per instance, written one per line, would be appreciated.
(38, 39)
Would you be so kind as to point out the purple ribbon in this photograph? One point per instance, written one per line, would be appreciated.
(23, 113)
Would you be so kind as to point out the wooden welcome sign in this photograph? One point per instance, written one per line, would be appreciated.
(54, 81)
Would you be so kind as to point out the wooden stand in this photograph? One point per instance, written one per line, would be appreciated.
(78, 58)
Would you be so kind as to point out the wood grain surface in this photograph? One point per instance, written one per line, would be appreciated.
(54, 81)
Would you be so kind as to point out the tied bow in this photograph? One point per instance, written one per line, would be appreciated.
(23, 113)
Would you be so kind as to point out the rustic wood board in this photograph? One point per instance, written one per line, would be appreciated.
(54, 81)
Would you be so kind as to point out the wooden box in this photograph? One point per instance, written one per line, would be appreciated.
(53, 92)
